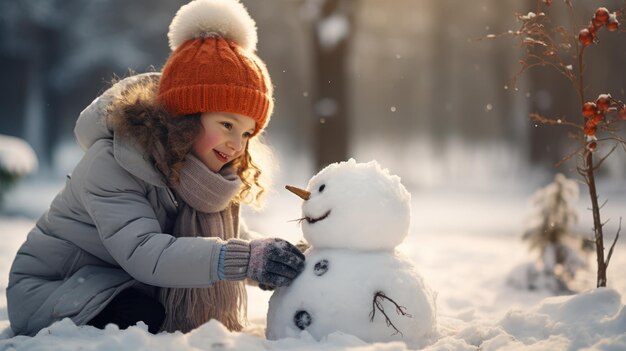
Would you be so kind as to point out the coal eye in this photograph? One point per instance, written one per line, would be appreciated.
(322, 187)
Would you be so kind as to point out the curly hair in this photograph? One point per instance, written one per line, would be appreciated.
(170, 139)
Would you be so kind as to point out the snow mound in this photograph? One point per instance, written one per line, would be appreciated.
(16, 156)
(66, 336)
(594, 320)
(582, 320)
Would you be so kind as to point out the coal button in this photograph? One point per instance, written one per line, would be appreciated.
(302, 319)
(321, 267)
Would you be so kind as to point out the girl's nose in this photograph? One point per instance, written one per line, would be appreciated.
(237, 143)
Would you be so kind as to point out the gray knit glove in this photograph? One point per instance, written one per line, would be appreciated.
(272, 262)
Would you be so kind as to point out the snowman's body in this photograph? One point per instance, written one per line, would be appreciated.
(354, 280)
(336, 292)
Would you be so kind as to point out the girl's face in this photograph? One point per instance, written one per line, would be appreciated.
(224, 138)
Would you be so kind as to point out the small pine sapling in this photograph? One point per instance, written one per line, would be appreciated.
(550, 232)
(548, 44)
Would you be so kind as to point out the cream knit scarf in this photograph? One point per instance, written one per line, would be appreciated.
(205, 210)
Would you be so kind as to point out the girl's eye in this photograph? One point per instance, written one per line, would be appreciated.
(247, 135)
(227, 125)
(322, 187)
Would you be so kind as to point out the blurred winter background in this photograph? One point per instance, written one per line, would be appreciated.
(403, 82)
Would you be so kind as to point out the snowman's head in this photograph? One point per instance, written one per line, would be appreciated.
(356, 206)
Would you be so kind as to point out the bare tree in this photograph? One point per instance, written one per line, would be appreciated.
(332, 25)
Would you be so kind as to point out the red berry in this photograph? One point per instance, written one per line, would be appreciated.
(585, 37)
(590, 129)
(589, 109)
(602, 15)
(596, 24)
(592, 146)
(613, 23)
(622, 113)
(603, 102)
(597, 118)
(593, 30)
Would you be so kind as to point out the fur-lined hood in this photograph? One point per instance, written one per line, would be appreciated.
(97, 120)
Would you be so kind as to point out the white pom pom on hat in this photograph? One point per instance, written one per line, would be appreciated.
(206, 18)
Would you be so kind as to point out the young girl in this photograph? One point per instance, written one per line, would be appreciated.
(147, 227)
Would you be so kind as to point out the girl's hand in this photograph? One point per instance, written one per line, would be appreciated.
(271, 262)
(274, 262)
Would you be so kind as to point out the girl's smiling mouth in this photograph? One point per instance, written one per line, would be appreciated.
(221, 156)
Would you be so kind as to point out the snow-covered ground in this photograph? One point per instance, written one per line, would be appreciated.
(465, 244)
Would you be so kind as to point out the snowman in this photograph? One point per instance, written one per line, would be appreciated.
(354, 281)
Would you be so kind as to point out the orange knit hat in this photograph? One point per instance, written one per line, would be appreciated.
(213, 67)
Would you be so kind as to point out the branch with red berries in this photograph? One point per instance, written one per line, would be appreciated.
(602, 18)
(553, 46)
(597, 114)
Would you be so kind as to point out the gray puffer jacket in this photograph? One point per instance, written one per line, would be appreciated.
(104, 232)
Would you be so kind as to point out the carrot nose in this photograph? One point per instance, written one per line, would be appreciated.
(303, 194)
